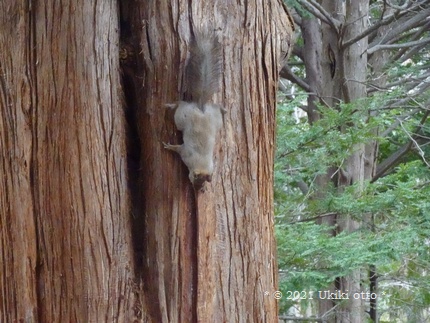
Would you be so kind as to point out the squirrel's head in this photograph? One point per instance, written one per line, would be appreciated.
(199, 178)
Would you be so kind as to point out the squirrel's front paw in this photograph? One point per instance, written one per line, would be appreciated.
(172, 147)
(167, 146)
(171, 105)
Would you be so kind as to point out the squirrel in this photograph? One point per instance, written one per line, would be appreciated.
(200, 120)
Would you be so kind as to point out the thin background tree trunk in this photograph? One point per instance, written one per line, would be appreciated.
(336, 74)
(354, 67)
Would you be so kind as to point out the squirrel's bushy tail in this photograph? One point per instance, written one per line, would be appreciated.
(204, 68)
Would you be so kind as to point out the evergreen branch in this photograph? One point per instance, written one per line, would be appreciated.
(396, 157)
(387, 20)
(412, 82)
(421, 88)
(396, 46)
(395, 124)
(318, 11)
(406, 53)
(402, 7)
(300, 319)
(288, 74)
(401, 26)
(313, 218)
(391, 161)
(413, 139)
(370, 30)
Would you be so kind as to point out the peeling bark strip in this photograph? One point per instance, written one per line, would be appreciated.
(65, 251)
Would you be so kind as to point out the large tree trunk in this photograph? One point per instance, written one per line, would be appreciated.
(208, 257)
(66, 239)
(65, 251)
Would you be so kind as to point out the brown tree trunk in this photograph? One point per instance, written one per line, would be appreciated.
(18, 248)
(208, 257)
(64, 223)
